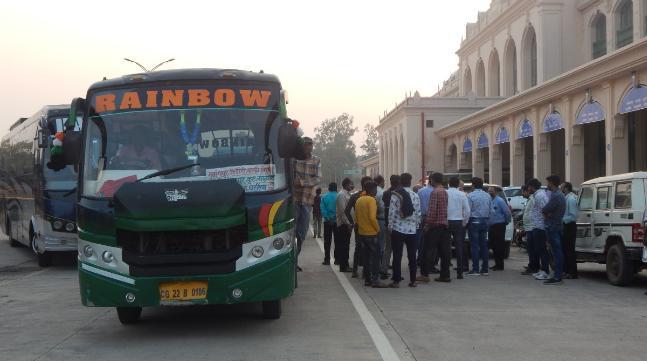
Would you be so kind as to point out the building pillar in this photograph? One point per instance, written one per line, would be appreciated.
(516, 161)
(575, 159)
(540, 147)
(569, 123)
(617, 145)
(478, 163)
(496, 156)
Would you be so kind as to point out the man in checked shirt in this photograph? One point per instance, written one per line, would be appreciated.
(307, 175)
(436, 232)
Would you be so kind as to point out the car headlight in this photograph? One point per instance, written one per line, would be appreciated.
(278, 243)
(70, 227)
(257, 251)
(88, 251)
(107, 257)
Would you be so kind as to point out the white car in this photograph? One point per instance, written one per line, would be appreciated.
(610, 224)
(514, 198)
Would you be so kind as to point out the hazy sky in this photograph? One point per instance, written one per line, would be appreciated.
(359, 57)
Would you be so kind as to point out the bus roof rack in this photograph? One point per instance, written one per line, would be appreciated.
(17, 123)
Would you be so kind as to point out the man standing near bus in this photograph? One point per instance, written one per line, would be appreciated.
(344, 227)
(329, 214)
(307, 175)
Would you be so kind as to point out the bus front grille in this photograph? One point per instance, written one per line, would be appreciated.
(182, 253)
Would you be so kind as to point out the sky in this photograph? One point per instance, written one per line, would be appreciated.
(353, 56)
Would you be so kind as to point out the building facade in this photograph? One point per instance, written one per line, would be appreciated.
(370, 166)
(411, 127)
(573, 76)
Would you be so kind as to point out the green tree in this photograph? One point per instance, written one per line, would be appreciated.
(370, 146)
(334, 145)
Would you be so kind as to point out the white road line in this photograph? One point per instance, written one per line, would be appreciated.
(375, 331)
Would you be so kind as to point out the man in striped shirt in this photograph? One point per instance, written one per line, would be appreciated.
(307, 175)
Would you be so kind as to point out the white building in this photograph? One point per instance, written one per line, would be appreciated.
(409, 128)
(574, 73)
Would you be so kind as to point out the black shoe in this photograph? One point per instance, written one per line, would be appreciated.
(553, 281)
(346, 270)
(355, 274)
(441, 279)
(385, 276)
(497, 268)
(299, 269)
(459, 276)
(336, 263)
(434, 270)
(326, 263)
(529, 272)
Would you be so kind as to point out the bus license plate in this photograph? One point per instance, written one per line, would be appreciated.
(183, 291)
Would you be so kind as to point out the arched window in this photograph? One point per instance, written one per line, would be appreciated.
(467, 82)
(598, 36)
(530, 58)
(480, 79)
(625, 24)
(510, 66)
(495, 79)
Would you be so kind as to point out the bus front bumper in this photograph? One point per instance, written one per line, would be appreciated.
(269, 280)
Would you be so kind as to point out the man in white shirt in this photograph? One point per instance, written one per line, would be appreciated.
(403, 229)
(458, 214)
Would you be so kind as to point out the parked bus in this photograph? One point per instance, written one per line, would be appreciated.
(36, 203)
(184, 191)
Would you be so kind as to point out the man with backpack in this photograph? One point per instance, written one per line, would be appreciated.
(404, 220)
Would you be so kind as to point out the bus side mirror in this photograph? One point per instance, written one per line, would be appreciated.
(42, 138)
(289, 143)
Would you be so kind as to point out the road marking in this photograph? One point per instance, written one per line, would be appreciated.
(374, 330)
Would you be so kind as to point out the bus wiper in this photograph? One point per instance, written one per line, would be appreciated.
(167, 171)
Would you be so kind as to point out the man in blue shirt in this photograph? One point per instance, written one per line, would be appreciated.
(329, 214)
(554, 218)
(480, 206)
(570, 232)
(500, 216)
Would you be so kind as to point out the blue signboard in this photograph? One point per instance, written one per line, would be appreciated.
(552, 122)
(525, 130)
(502, 136)
(634, 100)
(590, 113)
(482, 141)
(467, 145)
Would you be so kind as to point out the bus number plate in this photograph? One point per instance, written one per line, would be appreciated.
(183, 291)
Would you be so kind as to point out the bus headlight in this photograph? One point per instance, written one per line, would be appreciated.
(57, 225)
(257, 251)
(107, 257)
(70, 227)
(278, 243)
(88, 251)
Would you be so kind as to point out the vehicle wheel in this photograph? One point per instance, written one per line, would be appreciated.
(45, 258)
(129, 315)
(619, 269)
(506, 254)
(272, 309)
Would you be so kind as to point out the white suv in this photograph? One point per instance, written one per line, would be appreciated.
(610, 228)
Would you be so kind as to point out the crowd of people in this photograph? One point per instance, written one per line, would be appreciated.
(428, 219)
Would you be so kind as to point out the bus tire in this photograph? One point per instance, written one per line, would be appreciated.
(129, 315)
(272, 309)
(619, 269)
(45, 258)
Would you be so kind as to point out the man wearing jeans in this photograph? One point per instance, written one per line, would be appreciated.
(539, 201)
(436, 234)
(480, 205)
(458, 214)
(329, 214)
(367, 232)
(307, 175)
(386, 198)
(554, 213)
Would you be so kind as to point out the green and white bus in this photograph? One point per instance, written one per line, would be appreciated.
(184, 191)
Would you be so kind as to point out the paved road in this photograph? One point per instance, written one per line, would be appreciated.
(505, 316)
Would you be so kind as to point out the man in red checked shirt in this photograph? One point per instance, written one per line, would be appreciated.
(437, 231)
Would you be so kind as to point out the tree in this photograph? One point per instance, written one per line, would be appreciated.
(370, 146)
(333, 144)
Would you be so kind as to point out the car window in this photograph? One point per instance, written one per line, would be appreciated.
(603, 198)
(513, 193)
(623, 195)
(586, 198)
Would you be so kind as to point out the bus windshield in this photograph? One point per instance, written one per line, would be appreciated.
(209, 143)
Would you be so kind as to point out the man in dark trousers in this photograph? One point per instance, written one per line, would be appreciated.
(570, 232)
(554, 215)
(500, 216)
(386, 256)
(344, 227)
(349, 210)
(436, 232)
(329, 215)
